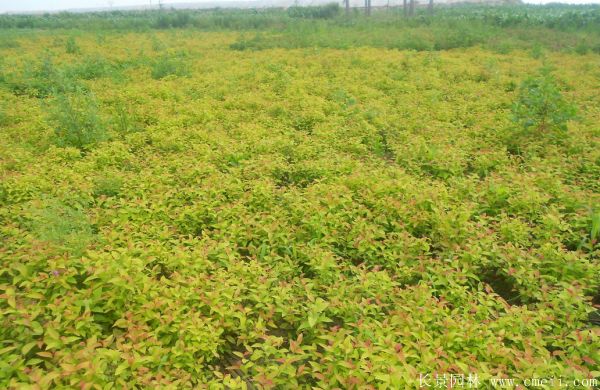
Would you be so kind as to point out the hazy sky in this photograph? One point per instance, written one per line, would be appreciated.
(47, 5)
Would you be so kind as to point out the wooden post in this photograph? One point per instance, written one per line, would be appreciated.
(411, 11)
(347, 6)
(405, 8)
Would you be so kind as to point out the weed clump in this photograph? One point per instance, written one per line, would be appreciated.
(61, 225)
(169, 66)
(92, 68)
(72, 47)
(76, 120)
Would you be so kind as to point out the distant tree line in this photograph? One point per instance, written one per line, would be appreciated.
(552, 16)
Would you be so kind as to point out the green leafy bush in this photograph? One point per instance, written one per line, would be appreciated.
(76, 120)
(169, 66)
(541, 110)
(92, 68)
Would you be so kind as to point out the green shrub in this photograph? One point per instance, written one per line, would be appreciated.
(92, 68)
(76, 120)
(169, 66)
(72, 47)
(582, 48)
(540, 109)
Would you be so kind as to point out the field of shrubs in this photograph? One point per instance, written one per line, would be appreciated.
(300, 199)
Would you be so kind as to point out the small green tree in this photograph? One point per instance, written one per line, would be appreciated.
(541, 110)
(76, 119)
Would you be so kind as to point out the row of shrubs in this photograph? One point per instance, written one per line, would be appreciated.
(497, 28)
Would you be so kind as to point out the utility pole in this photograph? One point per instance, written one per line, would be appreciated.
(411, 11)
(431, 7)
(405, 8)
(347, 2)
